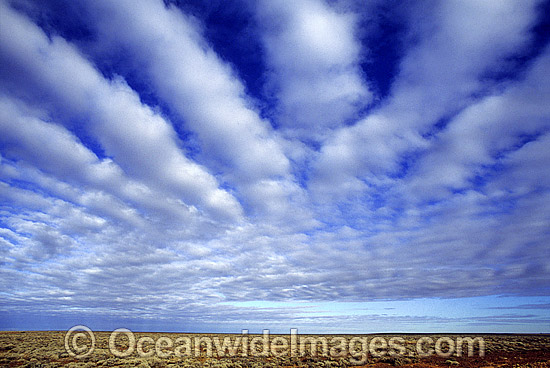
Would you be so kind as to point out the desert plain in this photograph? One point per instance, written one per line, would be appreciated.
(45, 349)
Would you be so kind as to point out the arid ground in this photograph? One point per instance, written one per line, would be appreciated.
(56, 349)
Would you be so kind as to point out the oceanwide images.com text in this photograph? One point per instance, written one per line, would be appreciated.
(80, 342)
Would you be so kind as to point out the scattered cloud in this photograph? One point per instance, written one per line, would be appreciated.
(141, 181)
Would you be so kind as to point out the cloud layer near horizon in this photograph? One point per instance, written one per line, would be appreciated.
(139, 171)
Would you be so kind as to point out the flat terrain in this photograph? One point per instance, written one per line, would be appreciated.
(49, 349)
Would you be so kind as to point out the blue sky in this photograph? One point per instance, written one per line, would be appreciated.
(332, 166)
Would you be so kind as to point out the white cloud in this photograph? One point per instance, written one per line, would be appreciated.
(139, 140)
(201, 89)
(103, 213)
(439, 75)
(485, 133)
(314, 54)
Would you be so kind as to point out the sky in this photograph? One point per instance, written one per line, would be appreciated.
(339, 166)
